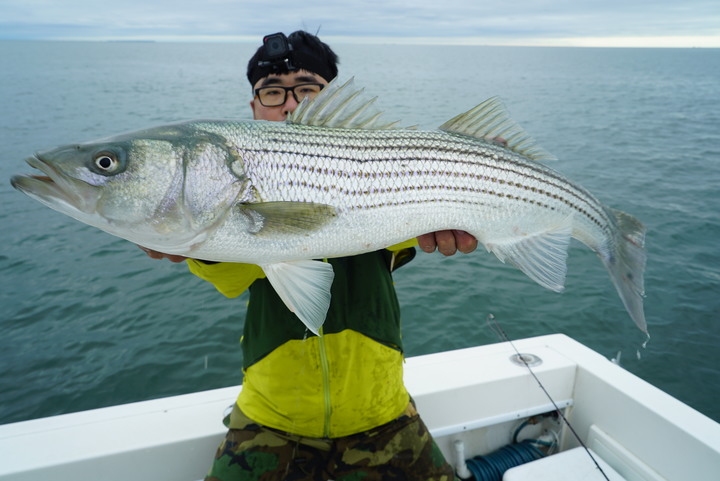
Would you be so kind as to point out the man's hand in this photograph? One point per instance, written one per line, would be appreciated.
(448, 242)
(160, 255)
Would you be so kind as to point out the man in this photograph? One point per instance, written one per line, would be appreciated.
(332, 406)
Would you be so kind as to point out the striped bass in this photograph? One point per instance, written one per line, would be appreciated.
(335, 180)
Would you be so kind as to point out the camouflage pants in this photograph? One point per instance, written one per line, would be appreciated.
(402, 449)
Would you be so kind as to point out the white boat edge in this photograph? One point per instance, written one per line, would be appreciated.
(473, 395)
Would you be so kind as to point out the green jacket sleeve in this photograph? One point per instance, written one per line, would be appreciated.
(229, 278)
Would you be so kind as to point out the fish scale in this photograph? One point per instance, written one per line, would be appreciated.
(337, 180)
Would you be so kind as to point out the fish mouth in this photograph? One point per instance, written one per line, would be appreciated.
(56, 189)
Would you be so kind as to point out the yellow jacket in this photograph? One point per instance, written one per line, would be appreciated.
(348, 380)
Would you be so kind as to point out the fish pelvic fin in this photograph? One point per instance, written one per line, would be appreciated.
(542, 256)
(491, 122)
(626, 264)
(341, 105)
(304, 287)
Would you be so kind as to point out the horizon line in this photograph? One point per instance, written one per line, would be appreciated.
(667, 41)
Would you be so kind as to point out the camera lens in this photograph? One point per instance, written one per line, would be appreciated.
(276, 45)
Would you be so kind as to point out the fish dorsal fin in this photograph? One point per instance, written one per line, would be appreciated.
(341, 106)
(490, 121)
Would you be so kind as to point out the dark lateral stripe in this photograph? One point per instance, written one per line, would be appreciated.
(438, 146)
(394, 201)
(316, 170)
(434, 143)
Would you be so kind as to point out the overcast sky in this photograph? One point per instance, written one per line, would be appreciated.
(673, 23)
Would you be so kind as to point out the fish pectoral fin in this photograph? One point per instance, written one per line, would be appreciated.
(304, 287)
(542, 256)
(273, 218)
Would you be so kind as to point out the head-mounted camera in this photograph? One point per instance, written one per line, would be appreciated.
(278, 52)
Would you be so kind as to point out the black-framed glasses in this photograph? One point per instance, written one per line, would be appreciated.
(276, 95)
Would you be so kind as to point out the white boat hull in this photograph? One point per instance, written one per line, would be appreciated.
(473, 395)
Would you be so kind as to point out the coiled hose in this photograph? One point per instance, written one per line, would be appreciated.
(492, 466)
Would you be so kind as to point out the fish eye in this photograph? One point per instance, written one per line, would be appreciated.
(106, 162)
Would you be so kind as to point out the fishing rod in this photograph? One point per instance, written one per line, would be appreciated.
(495, 327)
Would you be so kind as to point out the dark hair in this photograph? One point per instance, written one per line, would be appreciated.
(307, 53)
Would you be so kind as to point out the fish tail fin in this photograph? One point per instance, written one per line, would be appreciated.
(626, 264)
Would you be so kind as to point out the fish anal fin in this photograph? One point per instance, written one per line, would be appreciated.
(304, 287)
(542, 256)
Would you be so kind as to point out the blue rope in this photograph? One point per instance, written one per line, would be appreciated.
(493, 466)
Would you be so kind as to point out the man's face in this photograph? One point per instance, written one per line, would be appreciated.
(260, 112)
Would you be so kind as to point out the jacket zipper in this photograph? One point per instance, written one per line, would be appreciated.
(325, 366)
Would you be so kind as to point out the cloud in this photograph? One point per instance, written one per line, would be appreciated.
(494, 21)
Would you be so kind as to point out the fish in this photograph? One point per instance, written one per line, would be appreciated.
(337, 179)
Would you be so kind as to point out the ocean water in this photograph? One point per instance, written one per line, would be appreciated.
(87, 320)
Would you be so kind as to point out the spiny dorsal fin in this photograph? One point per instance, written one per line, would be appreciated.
(490, 121)
(341, 106)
